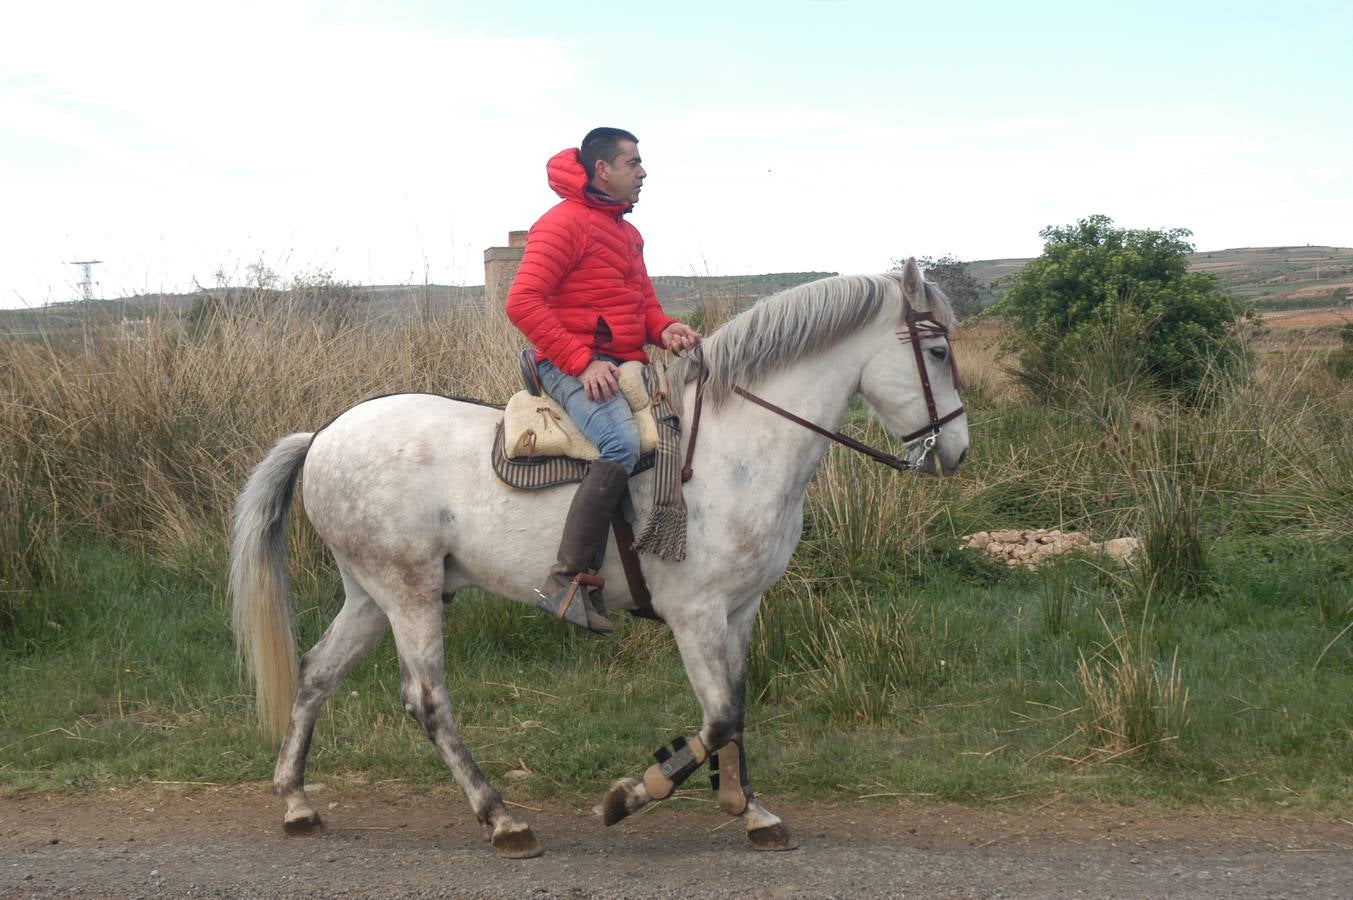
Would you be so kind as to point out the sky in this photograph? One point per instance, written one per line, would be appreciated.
(393, 142)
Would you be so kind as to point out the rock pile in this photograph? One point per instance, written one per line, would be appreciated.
(1032, 547)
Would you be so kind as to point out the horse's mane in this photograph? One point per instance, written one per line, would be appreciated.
(800, 320)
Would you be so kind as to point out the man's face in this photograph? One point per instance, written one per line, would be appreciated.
(623, 177)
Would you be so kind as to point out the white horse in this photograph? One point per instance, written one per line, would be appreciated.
(401, 490)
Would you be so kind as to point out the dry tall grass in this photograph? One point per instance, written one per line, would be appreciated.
(1133, 705)
(143, 435)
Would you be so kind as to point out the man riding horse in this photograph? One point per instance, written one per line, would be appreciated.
(583, 298)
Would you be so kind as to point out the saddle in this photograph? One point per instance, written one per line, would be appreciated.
(535, 425)
(537, 445)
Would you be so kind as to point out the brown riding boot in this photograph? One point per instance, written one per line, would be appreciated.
(572, 590)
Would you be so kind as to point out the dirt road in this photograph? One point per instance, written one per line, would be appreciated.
(388, 841)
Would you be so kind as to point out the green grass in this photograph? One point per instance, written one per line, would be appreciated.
(955, 682)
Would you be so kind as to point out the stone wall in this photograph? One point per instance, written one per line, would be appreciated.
(500, 267)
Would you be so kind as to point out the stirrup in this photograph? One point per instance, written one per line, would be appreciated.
(573, 604)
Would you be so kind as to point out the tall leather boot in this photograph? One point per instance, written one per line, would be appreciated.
(572, 589)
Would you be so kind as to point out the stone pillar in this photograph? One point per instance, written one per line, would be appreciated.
(500, 267)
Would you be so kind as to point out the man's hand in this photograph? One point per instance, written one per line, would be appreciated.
(679, 336)
(600, 380)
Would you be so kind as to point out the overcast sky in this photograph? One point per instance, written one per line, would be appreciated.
(392, 142)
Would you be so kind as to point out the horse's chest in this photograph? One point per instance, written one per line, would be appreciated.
(758, 539)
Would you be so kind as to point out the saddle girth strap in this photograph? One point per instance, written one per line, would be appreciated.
(629, 560)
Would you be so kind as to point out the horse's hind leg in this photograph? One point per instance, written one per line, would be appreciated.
(417, 626)
(353, 632)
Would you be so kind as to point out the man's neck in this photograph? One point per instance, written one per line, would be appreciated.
(600, 194)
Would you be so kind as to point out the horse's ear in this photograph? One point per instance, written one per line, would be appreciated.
(913, 286)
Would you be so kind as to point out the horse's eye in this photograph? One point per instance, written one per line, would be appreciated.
(940, 353)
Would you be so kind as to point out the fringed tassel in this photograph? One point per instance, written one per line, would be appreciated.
(664, 532)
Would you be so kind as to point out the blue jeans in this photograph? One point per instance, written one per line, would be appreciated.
(609, 425)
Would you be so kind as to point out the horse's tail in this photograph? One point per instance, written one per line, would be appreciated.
(258, 581)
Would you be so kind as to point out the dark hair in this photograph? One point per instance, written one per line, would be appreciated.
(602, 143)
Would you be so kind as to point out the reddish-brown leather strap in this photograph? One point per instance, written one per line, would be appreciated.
(919, 325)
(629, 561)
(872, 452)
(687, 471)
(915, 332)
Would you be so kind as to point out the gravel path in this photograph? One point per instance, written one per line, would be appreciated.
(390, 841)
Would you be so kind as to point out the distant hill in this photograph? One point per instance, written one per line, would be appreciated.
(683, 293)
(1270, 277)
(677, 293)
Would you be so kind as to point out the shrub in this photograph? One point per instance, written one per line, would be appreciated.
(1093, 273)
(966, 294)
(1340, 362)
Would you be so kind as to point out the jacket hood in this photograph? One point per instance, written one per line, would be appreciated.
(569, 180)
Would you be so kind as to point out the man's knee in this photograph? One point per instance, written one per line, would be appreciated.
(621, 446)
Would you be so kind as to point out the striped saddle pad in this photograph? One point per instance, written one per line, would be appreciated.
(532, 473)
(538, 445)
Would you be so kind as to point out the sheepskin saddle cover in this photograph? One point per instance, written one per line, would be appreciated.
(535, 426)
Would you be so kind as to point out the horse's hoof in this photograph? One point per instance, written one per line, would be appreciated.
(621, 800)
(519, 844)
(300, 826)
(613, 808)
(772, 837)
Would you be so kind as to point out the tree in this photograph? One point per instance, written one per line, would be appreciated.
(1093, 276)
(965, 293)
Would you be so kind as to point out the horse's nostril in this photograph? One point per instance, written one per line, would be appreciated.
(962, 456)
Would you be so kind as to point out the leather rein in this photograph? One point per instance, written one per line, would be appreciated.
(920, 325)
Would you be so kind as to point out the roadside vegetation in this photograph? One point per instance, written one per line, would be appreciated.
(888, 662)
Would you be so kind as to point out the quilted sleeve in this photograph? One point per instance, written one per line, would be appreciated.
(554, 246)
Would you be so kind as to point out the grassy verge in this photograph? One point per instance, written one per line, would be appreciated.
(961, 681)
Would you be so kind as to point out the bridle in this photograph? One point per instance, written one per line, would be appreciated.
(918, 444)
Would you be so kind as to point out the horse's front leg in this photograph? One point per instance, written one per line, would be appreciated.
(764, 828)
(702, 637)
(714, 650)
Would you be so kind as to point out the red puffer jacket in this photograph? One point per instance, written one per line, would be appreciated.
(582, 288)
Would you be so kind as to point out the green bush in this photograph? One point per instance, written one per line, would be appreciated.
(1340, 361)
(1092, 276)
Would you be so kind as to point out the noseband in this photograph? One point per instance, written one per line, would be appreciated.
(921, 325)
(918, 444)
